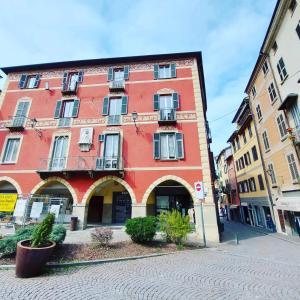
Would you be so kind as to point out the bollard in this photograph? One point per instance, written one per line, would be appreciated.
(237, 238)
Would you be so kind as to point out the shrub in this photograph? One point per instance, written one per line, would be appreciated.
(174, 226)
(141, 229)
(58, 234)
(101, 236)
(41, 233)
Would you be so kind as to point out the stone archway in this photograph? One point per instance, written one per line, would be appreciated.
(12, 182)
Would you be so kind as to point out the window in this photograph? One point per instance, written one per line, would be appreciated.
(168, 146)
(238, 143)
(254, 153)
(118, 74)
(272, 174)
(272, 92)
(275, 47)
(293, 5)
(70, 81)
(114, 107)
(247, 159)
(265, 67)
(234, 147)
(166, 105)
(281, 69)
(242, 162)
(281, 126)
(246, 186)
(59, 152)
(266, 141)
(258, 112)
(11, 150)
(252, 185)
(261, 182)
(65, 110)
(298, 29)
(164, 71)
(253, 91)
(250, 131)
(244, 137)
(29, 81)
(21, 114)
(293, 167)
(237, 165)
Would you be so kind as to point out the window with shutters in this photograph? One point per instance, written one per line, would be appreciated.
(167, 105)
(265, 68)
(11, 150)
(258, 112)
(250, 131)
(29, 81)
(282, 69)
(117, 77)
(266, 141)
(238, 143)
(293, 168)
(252, 185)
(66, 110)
(59, 153)
(19, 119)
(70, 82)
(244, 137)
(271, 173)
(168, 146)
(164, 71)
(254, 153)
(272, 92)
(113, 108)
(261, 182)
(281, 126)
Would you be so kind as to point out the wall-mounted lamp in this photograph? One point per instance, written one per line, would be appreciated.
(134, 116)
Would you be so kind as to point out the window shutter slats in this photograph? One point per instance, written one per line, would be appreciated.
(156, 71)
(156, 102)
(80, 76)
(124, 105)
(179, 143)
(173, 70)
(22, 81)
(75, 108)
(64, 80)
(156, 146)
(105, 106)
(175, 97)
(57, 109)
(126, 72)
(37, 81)
(110, 74)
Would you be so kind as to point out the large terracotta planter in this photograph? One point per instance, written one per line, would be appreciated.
(31, 261)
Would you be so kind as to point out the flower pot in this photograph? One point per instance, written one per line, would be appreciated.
(31, 261)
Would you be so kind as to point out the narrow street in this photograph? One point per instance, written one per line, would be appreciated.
(260, 267)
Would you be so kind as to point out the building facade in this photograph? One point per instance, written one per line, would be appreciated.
(118, 138)
(255, 209)
(273, 89)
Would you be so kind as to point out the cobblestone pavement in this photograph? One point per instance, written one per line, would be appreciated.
(251, 270)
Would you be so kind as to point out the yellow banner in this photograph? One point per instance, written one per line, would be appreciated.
(8, 202)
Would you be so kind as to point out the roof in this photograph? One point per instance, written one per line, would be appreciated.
(288, 101)
(261, 55)
(241, 109)
(222, 151)
(233, 135)
(116, 60)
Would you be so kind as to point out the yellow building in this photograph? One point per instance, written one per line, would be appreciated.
(273, 89)
(256, 209)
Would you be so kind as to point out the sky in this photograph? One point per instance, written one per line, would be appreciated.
(229, 34)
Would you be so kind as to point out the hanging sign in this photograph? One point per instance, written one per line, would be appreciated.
(54, 209)
(36, 210)
(7, 202)
(20, 208)
(199, 190)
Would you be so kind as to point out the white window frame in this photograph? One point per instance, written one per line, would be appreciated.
(265, 139)
(272, 174)
(281, 126)
(9, 137)
(281, 70)
(168, 148)
(259, 115)
(294, 166)
(272, 92)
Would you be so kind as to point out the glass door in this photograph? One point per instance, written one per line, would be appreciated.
(58, 159)
(111, 151)
(166, 107)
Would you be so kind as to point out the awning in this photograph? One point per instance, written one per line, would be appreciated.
(288, 203)
(288, 101)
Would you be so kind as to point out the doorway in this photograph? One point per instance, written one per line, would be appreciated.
(95, 210)
(121, 210)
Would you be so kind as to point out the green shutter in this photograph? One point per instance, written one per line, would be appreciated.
(57, 109)
(64, 81)
(175, 97)
(80, 76)
(124, 105)
(156, 146)
(37, 81)
(173, 70)
(110, 74)
(75, 108)
(156, 73)
(126, 72)
(156, 102)
(179, 145)
(105, 106)
(22, 82)
(101, 137)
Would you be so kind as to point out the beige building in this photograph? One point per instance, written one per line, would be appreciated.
(273, 89)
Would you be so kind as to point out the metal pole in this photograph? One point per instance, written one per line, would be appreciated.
(202, 224)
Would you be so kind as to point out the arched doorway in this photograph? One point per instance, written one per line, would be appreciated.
(109, 203)
(7, 188)
(169, 195)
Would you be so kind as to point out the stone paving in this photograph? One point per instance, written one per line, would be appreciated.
(260, 267)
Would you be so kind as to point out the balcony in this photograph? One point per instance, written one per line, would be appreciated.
(167, 116)
(91, 165)
(114, 120)
(69, 88)
(117, 85)
(64, 122)
(17, 124)
(296, 134)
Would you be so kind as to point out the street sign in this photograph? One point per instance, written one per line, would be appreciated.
(199, 190)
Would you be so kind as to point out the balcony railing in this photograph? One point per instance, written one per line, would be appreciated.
(69, 88)
(296, 133)
(114, 120)
(75, 164)
(64, 122)
(117, 85)
(17, 124)
(167, 116)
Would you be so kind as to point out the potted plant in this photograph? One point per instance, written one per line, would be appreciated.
(32, 254)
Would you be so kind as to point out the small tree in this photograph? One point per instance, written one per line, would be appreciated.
(102, 236)
(175, 226)
(41, 233)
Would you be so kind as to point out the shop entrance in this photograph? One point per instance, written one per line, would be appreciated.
(95, 210)
(121, 207)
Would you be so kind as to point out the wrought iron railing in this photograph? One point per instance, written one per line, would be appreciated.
(114, 120)
(296, 133)
(64, 122)
(69, 88)
(167, 114)
(117, 85)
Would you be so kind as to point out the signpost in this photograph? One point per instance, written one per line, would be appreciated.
(200, 195)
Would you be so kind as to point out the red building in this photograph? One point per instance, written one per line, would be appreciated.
(117, 137)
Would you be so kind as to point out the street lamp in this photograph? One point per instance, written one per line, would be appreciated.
(134, 116)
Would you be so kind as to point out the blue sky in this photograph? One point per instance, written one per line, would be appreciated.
(229, 33)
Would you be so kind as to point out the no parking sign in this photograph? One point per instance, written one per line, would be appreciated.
(199, 190)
